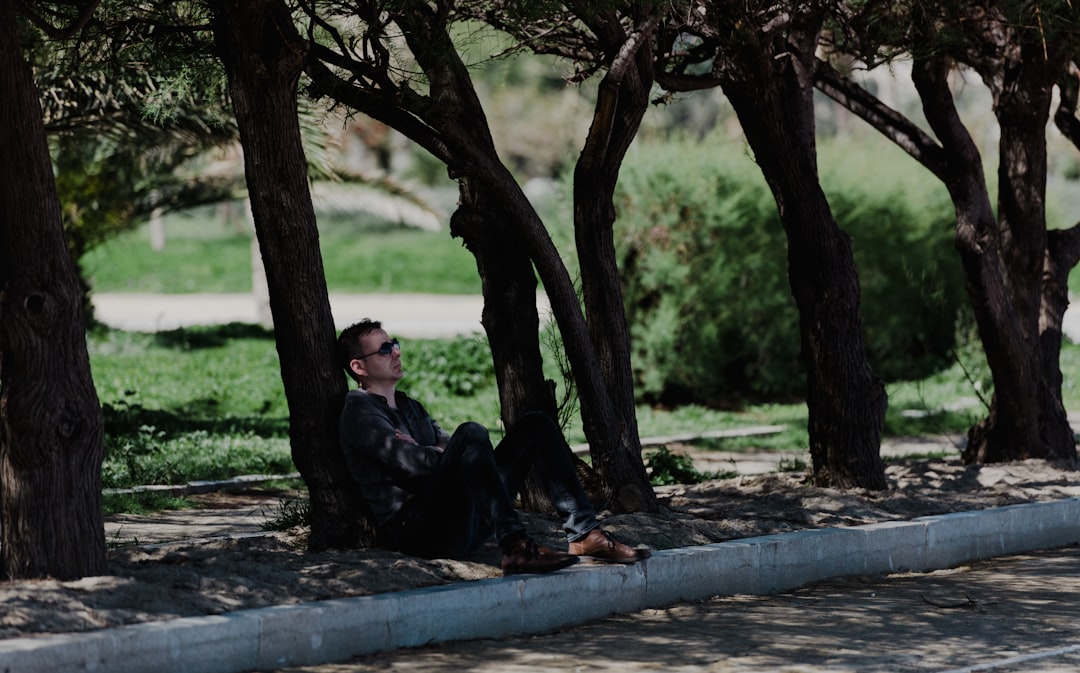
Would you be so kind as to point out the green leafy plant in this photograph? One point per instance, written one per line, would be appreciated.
(666, 468)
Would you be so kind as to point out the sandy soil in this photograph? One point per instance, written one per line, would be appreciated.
(164, 581)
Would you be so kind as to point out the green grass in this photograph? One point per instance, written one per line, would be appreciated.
(142, 503)
(204, 254)
(208, 403)
(189, 405)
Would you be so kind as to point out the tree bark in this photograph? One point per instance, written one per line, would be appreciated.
(1014, 274)
(51, 439)
(768, 79)
(264, 56)
(622, 100)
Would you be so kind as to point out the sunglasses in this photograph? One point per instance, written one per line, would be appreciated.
(387, 348)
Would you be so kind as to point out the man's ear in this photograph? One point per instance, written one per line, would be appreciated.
(357, 366)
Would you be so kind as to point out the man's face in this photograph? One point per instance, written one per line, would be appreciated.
(378, 368)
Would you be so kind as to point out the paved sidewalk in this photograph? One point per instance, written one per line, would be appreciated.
(335, 630)
(426, 316)
(1009, 615)
(418, 316)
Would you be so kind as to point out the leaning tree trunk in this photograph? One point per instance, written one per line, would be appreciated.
(510, 318)
(622, 99)
(845, 401)
(263, 55)
(51, 443)
(511, 323)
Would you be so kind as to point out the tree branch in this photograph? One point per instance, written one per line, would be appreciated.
(889, 122)
(86, 10)
(1065, 117)
(377, 106)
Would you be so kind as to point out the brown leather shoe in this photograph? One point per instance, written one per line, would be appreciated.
(601, 546)
(525, 556)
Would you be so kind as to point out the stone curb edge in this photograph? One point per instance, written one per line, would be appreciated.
(335, 630)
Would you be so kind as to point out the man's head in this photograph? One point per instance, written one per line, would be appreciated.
(368, 354)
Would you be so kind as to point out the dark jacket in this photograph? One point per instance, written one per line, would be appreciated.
(388, 471)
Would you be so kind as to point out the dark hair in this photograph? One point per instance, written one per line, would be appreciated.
(348, 343)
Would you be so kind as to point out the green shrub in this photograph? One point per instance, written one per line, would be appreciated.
(703, 257)
(460, 367)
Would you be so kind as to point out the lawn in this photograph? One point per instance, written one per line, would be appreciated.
(207, 252)
(208, 403)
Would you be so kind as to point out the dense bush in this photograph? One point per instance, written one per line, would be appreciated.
(705, 274)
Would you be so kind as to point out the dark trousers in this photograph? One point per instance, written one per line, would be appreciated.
(470, 498)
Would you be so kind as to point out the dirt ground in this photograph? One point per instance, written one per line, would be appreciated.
(211, 576)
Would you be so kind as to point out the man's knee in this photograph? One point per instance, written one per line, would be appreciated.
(471, 444)
(471, 432)
(540, 425)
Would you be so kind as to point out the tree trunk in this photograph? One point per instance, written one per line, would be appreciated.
(1022, 106)
(622, 100)
(770, 86)
(51, 448)
(510, 319)
(1011, 272)
(263, 55)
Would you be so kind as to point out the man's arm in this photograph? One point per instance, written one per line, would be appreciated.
(368, 432)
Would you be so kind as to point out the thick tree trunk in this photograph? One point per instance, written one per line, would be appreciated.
(51, 449)
(263, 55)
(1022, 106)
(771, 88)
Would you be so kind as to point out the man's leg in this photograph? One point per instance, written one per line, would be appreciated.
(467, 501)
(464, 502)
(536, 441)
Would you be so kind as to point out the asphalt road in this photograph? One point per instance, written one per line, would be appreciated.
(1006, 615)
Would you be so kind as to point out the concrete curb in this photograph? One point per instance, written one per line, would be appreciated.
(335, 630)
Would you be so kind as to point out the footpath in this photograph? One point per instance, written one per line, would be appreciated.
(330, 631)
(336, 630)
(418, 316)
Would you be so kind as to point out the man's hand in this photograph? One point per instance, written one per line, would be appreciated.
(406, 437)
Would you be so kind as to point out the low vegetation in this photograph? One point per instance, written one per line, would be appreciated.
(207, 403)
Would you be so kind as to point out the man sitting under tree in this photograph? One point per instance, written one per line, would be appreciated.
(438, 495)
